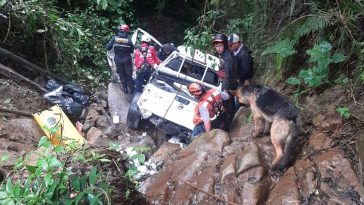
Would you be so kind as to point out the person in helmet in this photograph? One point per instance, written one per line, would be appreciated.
(146, 60)
(228, 72)
(227, 62)
(123, 48)
(165, 50)
(209, 111)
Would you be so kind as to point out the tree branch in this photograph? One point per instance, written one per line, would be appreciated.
(10, 73)
(27, 114)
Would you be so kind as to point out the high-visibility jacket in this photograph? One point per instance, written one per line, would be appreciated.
(145, 54)
(211, 100)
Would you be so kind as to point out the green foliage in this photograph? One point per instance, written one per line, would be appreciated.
(4, 158)
(321, 57)
(2, 2)
(343, 112)
(136, 158)
(223, 16)
(311, 24)
(65, 38)
(360, 62)
(293, 81)
(282, 49)
(51, 181)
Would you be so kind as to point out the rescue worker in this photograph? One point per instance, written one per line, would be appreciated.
(123, 48)
(228, 73)
(146, 61)
(209, 111)
(165, 50)
(243, 58)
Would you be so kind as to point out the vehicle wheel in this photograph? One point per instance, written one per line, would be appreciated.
(134, 117)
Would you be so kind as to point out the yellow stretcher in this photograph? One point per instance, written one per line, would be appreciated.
(57, 127)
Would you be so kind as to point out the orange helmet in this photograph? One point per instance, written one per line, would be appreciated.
(196, 87)
(125, 28)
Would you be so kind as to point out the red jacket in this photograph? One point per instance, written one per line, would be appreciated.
(151, 56)
(212, 100)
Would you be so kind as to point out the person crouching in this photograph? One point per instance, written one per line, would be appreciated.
(209, 111)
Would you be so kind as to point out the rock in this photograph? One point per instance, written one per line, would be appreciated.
(101, 122)
(240, 128)
(306, 177)
(360, 149)
(266, 148)
(248, 158)
(92, 112)
(338, 180)
(96, 137)
(88, 124)
(210, 164)
(213, 143)
(118, 102)
(227, 168)
(286, 190)
(104, 103)
(114, 131)
(13, 148)
(319, 141)
(167, 150)
(26, 129)
(254, 188)
(329, 122)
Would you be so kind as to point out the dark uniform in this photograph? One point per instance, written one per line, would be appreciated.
(123, 48)
(244, 64)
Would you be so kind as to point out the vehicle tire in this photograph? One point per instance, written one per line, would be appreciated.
(134, 117)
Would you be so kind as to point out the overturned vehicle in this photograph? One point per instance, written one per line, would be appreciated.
(165, 100)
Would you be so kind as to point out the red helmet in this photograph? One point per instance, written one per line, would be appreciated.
(124, 27)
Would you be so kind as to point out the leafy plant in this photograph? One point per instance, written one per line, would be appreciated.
(321, 57)
(343, 112)
(136, 157)
(51, 181)
(282, 49)
(61, 35)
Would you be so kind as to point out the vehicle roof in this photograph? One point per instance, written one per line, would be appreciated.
(190, 53)
(211, 61)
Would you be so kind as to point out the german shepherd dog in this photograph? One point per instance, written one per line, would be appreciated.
(274, 111)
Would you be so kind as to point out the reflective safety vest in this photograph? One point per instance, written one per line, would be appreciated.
(145, 55)
(212, 100)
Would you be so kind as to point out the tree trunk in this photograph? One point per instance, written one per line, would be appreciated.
(11, 74)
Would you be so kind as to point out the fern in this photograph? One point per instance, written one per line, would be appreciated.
(312, 24)
(284, 48)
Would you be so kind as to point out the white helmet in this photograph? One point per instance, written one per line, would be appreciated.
(145, 38)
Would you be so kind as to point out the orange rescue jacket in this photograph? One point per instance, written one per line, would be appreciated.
(212, 100)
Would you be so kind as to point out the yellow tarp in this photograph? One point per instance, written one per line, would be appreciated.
(57, 127)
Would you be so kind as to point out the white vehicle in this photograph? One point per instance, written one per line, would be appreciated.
(165, 100)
